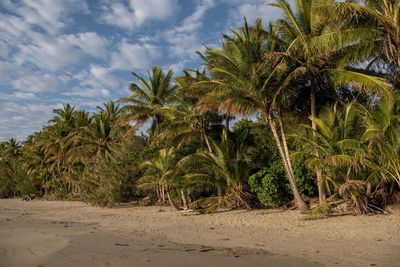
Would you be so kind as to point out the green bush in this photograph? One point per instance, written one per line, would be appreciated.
(14, 179)
(272, 187)
(106, 182)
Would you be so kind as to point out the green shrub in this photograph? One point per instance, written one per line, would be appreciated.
(14, 179)
(106, 182)
(272, 187)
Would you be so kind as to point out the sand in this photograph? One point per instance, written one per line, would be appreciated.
(62, 233)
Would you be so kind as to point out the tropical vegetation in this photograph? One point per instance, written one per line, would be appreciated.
(302, 112)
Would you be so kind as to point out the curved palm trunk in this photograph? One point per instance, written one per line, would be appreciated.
(219, 187)
(207, 143)
(284, 142)
(171, 202)
(321, 189)
(301, 204)
(227, 121)
(220, 194)
(185, 205)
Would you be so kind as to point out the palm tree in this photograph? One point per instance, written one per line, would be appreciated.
(382, 138)
(110, 110)
(339, 127)
(11, 149)
(227, 163)
(245, 83)
(186, 118)
(96, 138)
(381, 18)
(317, 50)
(160, 173)
(147, 97)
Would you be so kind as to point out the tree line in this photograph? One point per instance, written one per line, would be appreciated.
(321, 84)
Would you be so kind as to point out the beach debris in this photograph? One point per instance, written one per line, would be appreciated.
(121, 244)
(206, 249)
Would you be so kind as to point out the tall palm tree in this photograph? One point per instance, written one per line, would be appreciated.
(381, 18)
(186, 118)
(317, 50)
(228, 163)
(339, 128)
(11, 149)
(160, 173)
(245, 83)
(382, 136)
(111, 110)
(147, 96)
(96, 138)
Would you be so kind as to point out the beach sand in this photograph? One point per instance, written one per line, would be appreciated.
(64, 233)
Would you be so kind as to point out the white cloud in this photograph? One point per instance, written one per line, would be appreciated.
(17, 95)
(90, 43)
(96, 82)
(53, 53)
(4, 50)
(12, 28)
(88, 92)
(38, 83)
(137, 12)
(134, 56)
(252, 10)
(48, 15)
(184, 39)
(30, 117)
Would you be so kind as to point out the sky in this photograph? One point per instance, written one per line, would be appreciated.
(82, 52)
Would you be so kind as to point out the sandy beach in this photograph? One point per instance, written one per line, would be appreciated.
(63, 233)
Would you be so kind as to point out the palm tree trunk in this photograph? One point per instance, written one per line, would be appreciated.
(185, 205)
(163, 195)
(207, 143)
(158, 194)
(220, 194)
(188, 197)
(171, 202)
(219, 187)
(301, 204)
(227, 120)
(369, 188)
(284, 142)
(321, 189)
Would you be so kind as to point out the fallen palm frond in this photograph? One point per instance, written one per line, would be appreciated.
(351, 199)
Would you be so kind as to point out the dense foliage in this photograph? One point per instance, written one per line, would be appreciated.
(320, 91)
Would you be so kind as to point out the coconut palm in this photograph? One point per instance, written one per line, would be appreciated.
(160, 173)
(110, 110)
(339, 128)
(186, 118)
(245, 83)
(147, 96)
(11, 148)
(228, 163)
(317, 50)
(381, 18)
(382, 136)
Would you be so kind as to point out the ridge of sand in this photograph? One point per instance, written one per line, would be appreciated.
(344, 241)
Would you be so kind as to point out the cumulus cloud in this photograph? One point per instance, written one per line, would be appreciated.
(38, 83)
(19, 119)
(53, 53)
(137, 12)
(252, 10)
(184, 39)
(134, 56)
(17, 95)
(96, 82)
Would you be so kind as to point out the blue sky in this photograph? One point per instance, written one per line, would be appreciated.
(82, 52)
